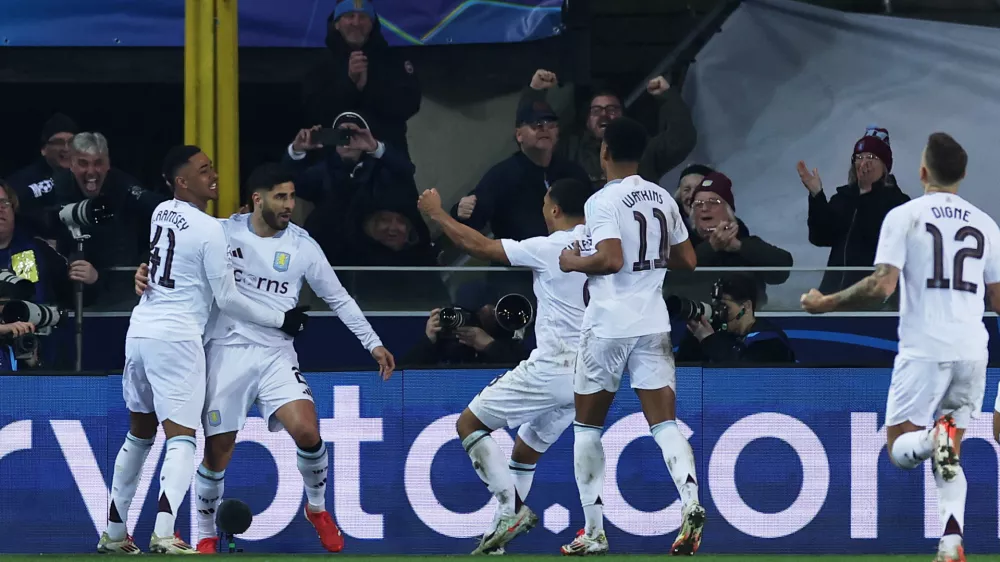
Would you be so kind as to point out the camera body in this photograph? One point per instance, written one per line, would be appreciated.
(512, 312)
(15, 292)
(715, 311)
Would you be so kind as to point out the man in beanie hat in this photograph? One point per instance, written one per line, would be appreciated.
(849, 222)
(35, 179)
(362, 75)
(725, 242)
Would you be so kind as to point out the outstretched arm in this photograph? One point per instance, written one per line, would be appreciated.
(468, 239)
(877, 286)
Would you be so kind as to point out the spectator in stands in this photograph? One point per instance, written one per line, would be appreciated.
(743, 337)
(675, 138)
(120, 236)
(362, 75)
(33, 259)
(346, 183)
(35, 179)
(727, 243)
(510, 196)
(849, 222)
(486, 343)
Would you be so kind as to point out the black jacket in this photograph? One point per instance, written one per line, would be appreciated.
(764, 343)
(32, 181)
(674, 140)
(49, 267)
(449, 352)
(849, 224)
(511, 194)
(123, 240)
(754, 252)
(340, 189)
(389, 99)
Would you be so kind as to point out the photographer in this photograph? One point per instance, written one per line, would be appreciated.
(481, 340)
(93, 199)
(31, 272)
(730, 332)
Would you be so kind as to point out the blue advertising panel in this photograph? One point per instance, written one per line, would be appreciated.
(789, 460)
(265, 23)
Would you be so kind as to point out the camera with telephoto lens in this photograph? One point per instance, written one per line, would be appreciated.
(84, 214)
(512, 312)
(15, 287)
(688, 310)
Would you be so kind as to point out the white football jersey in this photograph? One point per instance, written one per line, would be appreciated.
(647, 221)
(187, 248)
(560, 295)
(269, 271)
(947, 250)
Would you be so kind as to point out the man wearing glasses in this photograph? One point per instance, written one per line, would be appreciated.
(34, 180)
(849, 221)
(675, 132)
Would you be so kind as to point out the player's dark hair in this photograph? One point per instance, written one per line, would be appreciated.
(175, 159)
(626, 140)
(741, 287)
(268, 176)
(571, 195)
(946, 159)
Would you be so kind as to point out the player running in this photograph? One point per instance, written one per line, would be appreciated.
(638, 233)
(946, 252)
(249, 364)
(164, 375)
(536, 395)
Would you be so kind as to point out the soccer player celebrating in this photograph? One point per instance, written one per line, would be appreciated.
(638, 233)
(250, 364)
(945, 254)
(164, 375)
(535, 396)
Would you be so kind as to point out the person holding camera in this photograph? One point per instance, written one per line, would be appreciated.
(469, 334)
(728, 330)
(102, 207)
(355, 171)
(35, 283)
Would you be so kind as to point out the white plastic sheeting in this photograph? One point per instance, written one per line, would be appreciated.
(786, 81)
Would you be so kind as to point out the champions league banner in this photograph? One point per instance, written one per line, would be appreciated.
(266, 23)
(790, 461)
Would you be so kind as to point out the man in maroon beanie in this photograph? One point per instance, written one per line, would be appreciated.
(727, 243)
(849, 222)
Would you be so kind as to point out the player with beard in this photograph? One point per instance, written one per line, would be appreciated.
(248, 364)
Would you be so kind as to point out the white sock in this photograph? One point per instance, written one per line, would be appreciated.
(209, 487)
(588, 467)
(175, 480)
(679, 457)
(313, 466)
(911, 449)
(951, 508)
(523, 475)
(128, 468)
(490, 462)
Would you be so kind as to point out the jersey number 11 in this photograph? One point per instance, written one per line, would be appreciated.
(660, 262)
(155, 260)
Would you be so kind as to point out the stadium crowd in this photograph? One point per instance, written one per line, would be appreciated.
(70, 216)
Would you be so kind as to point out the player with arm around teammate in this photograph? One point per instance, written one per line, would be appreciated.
(536, 396)
(249, 364)
(638, 233)
(164, 376)
(945, 255)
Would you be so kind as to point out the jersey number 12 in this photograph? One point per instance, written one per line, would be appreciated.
(167, 261)
(661, 261)
(939, 281)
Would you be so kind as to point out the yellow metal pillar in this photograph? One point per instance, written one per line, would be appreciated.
(211, 97)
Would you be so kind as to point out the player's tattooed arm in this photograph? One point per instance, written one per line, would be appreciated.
(874, 288)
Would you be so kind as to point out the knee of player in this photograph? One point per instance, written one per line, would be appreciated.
(219, 449)
(305, 437)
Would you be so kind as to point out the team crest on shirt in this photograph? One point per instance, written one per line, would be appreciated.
(281, 261)
(214, 418)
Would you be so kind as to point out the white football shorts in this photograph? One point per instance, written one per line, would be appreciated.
(166, 377)
(241, 375)
(538, 403)
(921, 391)
(600, 363)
